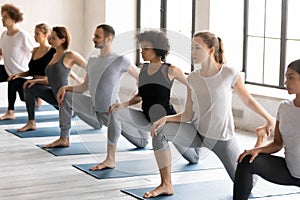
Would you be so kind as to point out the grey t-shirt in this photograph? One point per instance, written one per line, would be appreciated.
(104, 79)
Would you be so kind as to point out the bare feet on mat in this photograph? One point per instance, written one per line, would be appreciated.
(61, 142)
(30, 126)
(104, 165)
(160, 190)
(38, 103)
(9, 115)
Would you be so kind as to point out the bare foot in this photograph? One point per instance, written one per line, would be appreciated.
(38, 103)
(8, 116)
(104, 165)
(160, 190)
(30, 126)
(262, 137)
(58, 143)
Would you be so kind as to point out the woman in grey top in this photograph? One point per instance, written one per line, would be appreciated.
(58, 70)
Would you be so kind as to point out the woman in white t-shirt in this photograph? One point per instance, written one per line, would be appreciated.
(15, 49)
(276, 169)
(207, 120)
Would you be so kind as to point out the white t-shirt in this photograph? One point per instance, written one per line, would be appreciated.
(16, 51)
(212, 103)
(288, 116)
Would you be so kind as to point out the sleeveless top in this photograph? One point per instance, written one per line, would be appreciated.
(37, 66)
(58, 75)
(155, 92)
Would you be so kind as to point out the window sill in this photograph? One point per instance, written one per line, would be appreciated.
(274, 93)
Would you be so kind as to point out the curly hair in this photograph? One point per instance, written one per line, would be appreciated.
(13, 12)
(159, 41)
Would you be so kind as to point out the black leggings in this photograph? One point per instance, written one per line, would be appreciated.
(269, 167)
(15, 86)
(3, 74)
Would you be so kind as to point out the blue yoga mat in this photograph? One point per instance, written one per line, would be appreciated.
(20, 109)
(147, 167)
(217, 189)
(79, 148)
(24, 119)
(50, 131)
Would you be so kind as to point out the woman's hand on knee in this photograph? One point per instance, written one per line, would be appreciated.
(157, 125)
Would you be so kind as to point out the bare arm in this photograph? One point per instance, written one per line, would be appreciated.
(251, 103)
(273, 147)
(132, 70)
(73, 58)
(74, 76)
(134, 100)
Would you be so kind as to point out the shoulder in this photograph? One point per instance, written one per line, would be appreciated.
(72, 54)
(230, 70)
(285, 104)
(24, 33)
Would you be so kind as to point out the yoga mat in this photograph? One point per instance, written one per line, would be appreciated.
(209, 190)
(24, 119)
(20, 109)
(79, 148)
(146, 167)
(217, 189)
(50, 131)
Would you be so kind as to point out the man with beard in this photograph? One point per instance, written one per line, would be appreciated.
(103, 78)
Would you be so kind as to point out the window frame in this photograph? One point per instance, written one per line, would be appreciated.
(283, 41)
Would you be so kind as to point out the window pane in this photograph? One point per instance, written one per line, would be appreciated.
(255, 60)
(292, 51)
(256, 17)
(293, 31)
(273, 18)
(180, 50)
(179, 26)
(272, 62)
(150, 14)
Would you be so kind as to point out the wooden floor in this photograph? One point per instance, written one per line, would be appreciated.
(28, 172)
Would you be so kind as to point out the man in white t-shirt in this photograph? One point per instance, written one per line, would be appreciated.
(15, 49)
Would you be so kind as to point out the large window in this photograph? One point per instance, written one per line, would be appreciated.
(176, 18)
(271, 40)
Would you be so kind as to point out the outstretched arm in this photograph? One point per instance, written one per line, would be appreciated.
(251, 103)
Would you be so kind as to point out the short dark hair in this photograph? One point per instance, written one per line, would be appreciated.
(107, 29)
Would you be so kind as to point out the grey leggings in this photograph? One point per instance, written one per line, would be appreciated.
(84, 109)
(270, 167)
(82, 105)
(134, 119)
(186, 135)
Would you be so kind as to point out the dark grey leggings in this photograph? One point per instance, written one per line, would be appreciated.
(269, 167)
(42, 91)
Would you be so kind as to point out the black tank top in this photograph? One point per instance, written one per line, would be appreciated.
(37, 66)
(155, 91)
